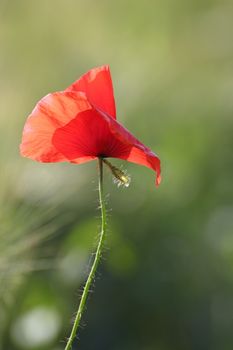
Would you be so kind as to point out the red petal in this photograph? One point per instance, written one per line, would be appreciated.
(97, 85)
(53, 111)
(139, 153)
(93, 134)
(88, 135)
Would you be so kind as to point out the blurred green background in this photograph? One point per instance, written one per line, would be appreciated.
(166, 279)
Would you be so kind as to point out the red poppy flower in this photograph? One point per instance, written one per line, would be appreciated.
(79, 124)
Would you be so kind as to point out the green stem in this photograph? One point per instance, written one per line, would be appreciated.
(95, 263)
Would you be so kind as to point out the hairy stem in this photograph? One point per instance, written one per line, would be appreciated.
(95, 262)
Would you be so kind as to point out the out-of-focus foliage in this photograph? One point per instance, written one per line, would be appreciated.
(166, 279)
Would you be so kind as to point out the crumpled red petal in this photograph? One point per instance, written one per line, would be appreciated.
(95, 134)
(139, 153)
(79, 124)
(97, 85)
(51, 112)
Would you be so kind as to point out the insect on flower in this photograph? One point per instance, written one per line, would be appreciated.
(79, 125)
